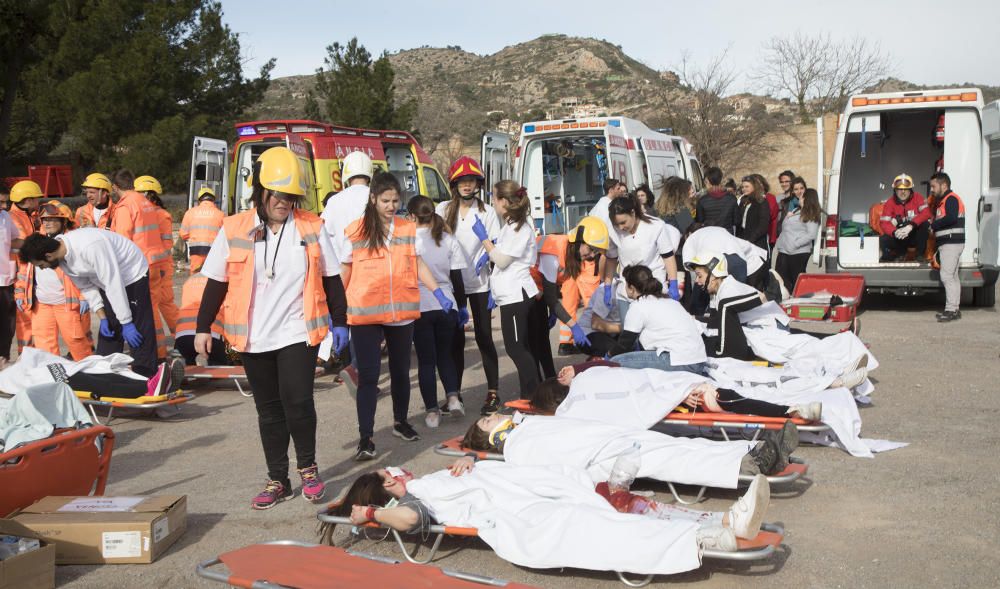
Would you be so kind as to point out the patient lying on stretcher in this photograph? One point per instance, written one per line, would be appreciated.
(101, 376)
(382, 497)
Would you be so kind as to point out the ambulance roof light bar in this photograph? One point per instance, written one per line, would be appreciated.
(915, 97)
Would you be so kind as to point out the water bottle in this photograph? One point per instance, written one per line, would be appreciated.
(625, 469)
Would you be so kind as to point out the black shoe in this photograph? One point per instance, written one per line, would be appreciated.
(947, 316)
(765, 455)
(567, 350)
(491, 405)
(405, 431)
(366, 450)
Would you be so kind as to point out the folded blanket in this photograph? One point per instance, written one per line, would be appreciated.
(37, 411)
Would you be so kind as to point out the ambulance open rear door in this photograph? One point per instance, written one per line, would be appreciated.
(210, 167)
(496, 159)
(301, 149)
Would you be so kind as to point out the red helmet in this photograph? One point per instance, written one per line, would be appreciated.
(465, 166)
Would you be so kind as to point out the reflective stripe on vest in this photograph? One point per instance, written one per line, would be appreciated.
(941, 212)
(383, 286)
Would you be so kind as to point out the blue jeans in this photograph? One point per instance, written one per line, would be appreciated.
(650, 359)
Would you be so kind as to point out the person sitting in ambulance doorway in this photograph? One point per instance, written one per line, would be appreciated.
(905, 221)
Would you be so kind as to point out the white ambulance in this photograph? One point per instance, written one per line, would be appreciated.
(916, 133)
(564, 163)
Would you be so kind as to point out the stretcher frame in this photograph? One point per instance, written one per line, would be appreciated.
(761, 547)
(223, 373)
(204, 570)
(796, 469)
(145, 403)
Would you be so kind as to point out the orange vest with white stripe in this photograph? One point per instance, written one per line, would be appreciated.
(241, 232)
(383, 285)
(191, 295)
(166, 235)
(24, 288)
(137, 219)
(85, 216)
(200, 226)
(951, 232)
(554, 245)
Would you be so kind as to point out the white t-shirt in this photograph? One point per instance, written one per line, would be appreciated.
(98, 213)
(600, 210)
(718, 240)
(99, 259)
(440, 260)
(470, 244)
(277, 308)
(664, 326)
(341, 210)
(769, 314)
(8, 232)
(48, 287)
(647, 246)
(507, 283)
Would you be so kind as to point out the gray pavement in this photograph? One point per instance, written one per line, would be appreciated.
(922, 516)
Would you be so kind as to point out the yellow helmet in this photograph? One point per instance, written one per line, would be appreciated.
(148, 184)
(25, 189)
(206, 192)
(591, 231)
(280, 171)
(715, 263)
(902, 181)
(97, 180)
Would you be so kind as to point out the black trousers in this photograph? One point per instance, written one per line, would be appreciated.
(368, 356)
(144, 357)
(432, 335)
(482, 323)
(282, 382)
(517, 335)
(7, 311)
(541, 348)
(917, 239)
(217, 357)
(731, 401)
(107, 385)
(600, 344)
(789, 266)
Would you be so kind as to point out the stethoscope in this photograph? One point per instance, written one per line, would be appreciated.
(269, 272)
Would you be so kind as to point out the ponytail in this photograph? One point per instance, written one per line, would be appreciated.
(518, 204)
(642, 280)
(421, 208)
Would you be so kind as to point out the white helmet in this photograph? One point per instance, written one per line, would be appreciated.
(713, 262)
(356, 163)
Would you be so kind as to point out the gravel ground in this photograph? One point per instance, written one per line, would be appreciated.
(922, 516)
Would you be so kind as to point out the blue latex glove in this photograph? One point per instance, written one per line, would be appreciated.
(20, 305)
(105, 329)
(483, 260)
(443, 300)
(609, 293)
(552, 320)
(490, 302)
(341, 336)
(480, 230)
(579, 338)
(84, 307)
(463, 316)
(131, 335)
(673, 290)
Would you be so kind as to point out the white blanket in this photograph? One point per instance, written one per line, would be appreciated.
(37, 367)
(550, 517)
(36, 412)
(808, 355)
(594, 447)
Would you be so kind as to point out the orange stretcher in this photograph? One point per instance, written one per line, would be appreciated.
(223, 373)
(298, 565)
(145, 402)
(759, 548)
(71, 462)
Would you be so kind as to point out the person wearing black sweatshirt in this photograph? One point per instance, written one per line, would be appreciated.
(754, 214)
(717, 207)
(949, 231)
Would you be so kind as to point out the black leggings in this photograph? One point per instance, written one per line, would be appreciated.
(789, 266)
(541, 348)
(732, 402)
(216, 357)
(482, 323)
(600, 344)
(432, 335)
(368, 351)
(517, 335)
(282, 382)
(107, 385)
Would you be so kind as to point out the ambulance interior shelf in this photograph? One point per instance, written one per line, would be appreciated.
(573, 172)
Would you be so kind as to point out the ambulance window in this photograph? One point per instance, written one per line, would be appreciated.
(995, 163)
(696, 178)
(433, 191)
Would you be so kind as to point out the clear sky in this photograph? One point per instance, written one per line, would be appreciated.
(930, 41)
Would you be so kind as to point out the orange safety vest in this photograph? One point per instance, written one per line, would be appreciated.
(191, 294)
(242, 231)
(554, 245)
(166, 234)
(383, 286)
(957, 229)
(136, 219)
(85, 216)
(24, 288)
(200, 226)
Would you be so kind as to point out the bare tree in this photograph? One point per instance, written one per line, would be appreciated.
(818, 72)
(720, 135)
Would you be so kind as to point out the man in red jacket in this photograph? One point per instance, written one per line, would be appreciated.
(904, 221)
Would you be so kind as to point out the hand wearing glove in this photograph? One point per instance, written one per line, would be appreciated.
(903, 232)
(443, 300)
(579, 338)
(490, 302)
(673, 290)
(463, 316)
(552, 320)
(105, 329)
(341, 336)
(480, 230)
(483, 260)
(84, 307)
(131, 335)
(609, 292)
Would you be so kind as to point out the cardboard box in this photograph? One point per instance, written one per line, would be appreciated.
(35, 569)
(107, 530)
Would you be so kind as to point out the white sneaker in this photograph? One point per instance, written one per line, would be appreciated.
(455, 406)
(717, 538)
(809, 412)
(859, 362)
(432, 419)
(853, 378)
(746, 515)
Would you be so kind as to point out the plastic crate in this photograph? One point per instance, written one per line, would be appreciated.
(844, 285)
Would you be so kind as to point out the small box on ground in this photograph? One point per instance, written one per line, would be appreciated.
(107, 530)
(35, 569)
